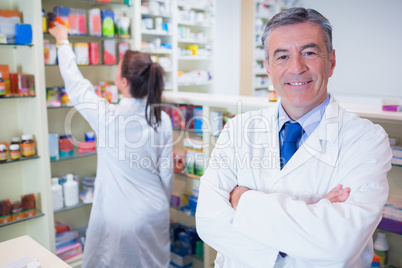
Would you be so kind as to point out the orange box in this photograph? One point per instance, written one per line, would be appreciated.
(6, 219)
(5, 72)
(29, 213)
(18, 216)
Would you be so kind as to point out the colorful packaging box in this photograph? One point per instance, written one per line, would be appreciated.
(93, 53)
(64, 100)
(8, 20)
(73, 21)
(122, 48)
(109, 52)
(53, 97)
(5, 75)
(81, 53)
(95, 28)
(107, 23)
(66, 146)
(82, 22)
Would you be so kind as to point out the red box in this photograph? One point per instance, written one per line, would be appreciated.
(93, 53)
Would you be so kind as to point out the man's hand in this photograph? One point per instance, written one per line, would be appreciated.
(236, 194)
(338, 194)
(59, 32)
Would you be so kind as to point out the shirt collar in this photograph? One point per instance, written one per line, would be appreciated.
(132, 101)
(309, 121)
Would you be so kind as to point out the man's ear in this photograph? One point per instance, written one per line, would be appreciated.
(332, 62)
(267, 67)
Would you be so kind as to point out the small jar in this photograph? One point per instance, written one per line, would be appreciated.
(3, 153)
(27, 146)
(15, 153)
(15, 140)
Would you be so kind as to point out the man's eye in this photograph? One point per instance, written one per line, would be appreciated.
(309, 53)
(282, 57)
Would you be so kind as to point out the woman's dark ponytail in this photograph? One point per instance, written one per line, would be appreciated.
(155, 88)
(146, 79)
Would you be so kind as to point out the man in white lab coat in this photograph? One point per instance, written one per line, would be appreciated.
(303, 184)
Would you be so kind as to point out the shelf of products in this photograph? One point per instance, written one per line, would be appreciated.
(38, 215)
(24, 115)
(80, 204)
(19, 160)
(98, 71)
(74, 156)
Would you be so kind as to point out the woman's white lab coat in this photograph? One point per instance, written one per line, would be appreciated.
(129, 221)
(285, 211)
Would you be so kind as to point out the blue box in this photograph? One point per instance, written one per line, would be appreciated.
(23, 34)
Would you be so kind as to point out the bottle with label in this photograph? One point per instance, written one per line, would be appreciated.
(381, 248)
(2, 86)
(15, 153)
(271, 93)
(27, 146)
(70, 190)
(57, 193)
(3, 153)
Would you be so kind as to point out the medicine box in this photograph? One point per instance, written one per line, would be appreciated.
(93, 53)
(95, 22)
(109, 52)
(81, 53)
(107, 23)
(8, 20)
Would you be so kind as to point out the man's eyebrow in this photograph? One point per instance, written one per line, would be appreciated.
(311, 45)
(280, 50)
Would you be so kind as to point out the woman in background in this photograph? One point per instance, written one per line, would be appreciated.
(129, 221)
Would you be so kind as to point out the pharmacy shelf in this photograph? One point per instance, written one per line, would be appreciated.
(395, 165)
(190, 131)
(188, 58)
(191, 176)
(76, 155)
(80, 204)
(60, 107)
(194, 7)
(93, 2)
(260, 73)
(195, 24)
(156, 15)
(178, 209)
(15, 45)
(86, 37)
(193, 41)
(82, 65)
(196, 85)
(38, 214)
(165, 52)
(16, 97)
(154, 32)
(19, 160)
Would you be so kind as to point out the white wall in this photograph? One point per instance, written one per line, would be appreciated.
(367, 37)
(227, 47)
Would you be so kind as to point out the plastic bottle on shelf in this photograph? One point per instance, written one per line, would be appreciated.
(381, 248)
(57, 194)
(70, 188)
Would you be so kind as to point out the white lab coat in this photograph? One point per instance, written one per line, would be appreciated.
(129, 221)
(284, 211)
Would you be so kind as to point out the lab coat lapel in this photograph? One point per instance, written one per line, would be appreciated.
(322, 144)
(268, 138)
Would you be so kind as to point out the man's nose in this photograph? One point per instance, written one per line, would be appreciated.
(297, 65)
